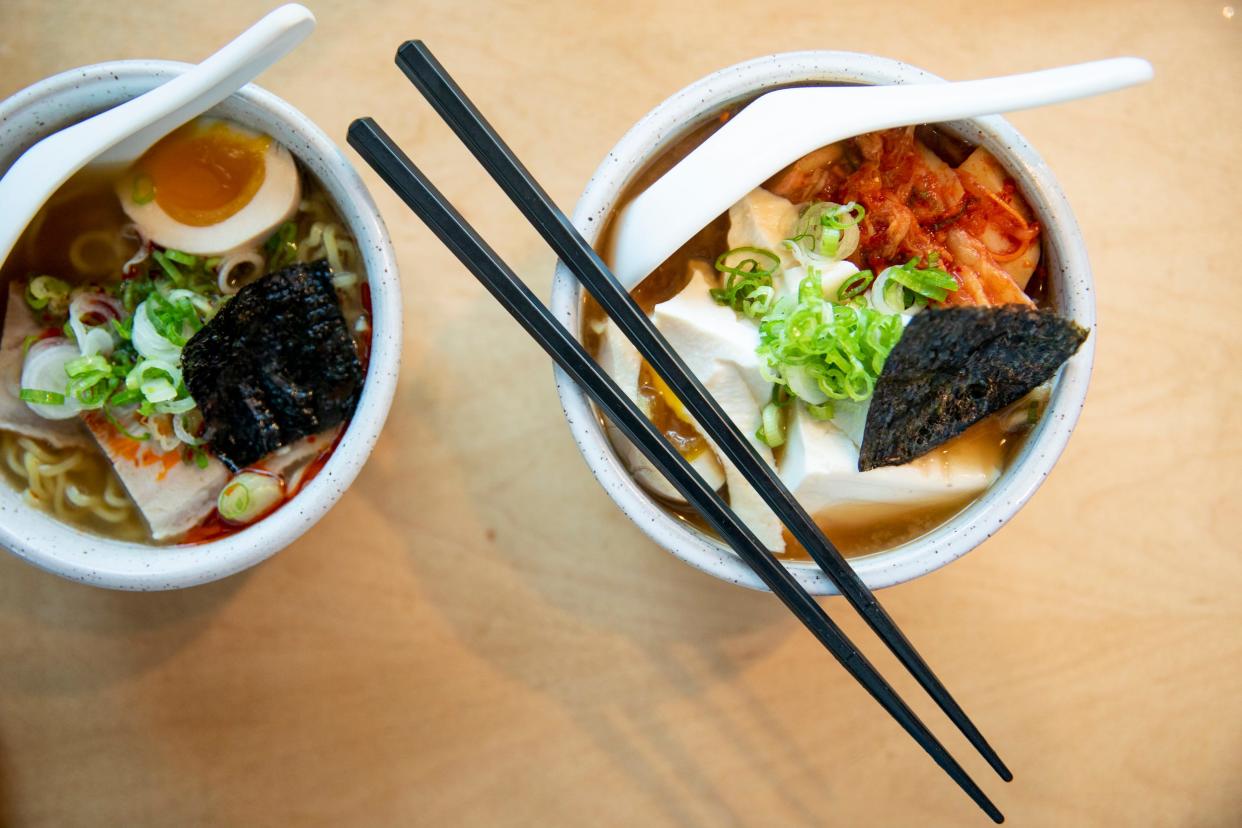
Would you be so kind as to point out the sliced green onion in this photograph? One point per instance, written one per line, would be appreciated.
(88, 364)
(166, 264)
(42, 291)
(932, 283)
(34, 395)
(143, 189)
(116, 424)
(200, 458)
(127, 396)
(158, 390)
(27, 342)
(856, 285)
(747, 285)
(828, 350)
(771, 430)
(822, 412)
(249, 496)
(281, 248)
(177, 256)
(823, 226)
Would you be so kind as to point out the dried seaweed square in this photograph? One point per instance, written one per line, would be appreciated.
(277, 363)
(953, 367)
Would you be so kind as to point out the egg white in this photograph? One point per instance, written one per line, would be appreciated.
(274, 202)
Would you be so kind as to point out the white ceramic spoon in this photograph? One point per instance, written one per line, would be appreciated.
(780, 127)
(122, 134)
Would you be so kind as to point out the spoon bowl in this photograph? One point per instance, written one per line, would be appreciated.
(119, 136)
(693, 192)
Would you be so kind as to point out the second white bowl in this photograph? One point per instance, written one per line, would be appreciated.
(1068, 271)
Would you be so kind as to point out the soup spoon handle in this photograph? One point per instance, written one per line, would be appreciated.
(121, 134)
(780, 127)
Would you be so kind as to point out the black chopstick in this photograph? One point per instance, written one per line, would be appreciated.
(434, 81)
(408, 182)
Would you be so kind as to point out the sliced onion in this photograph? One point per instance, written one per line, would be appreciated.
(44, 370)
(133, 231)
(803, 385)
(147, 341)
(881, 303)
(229, 263)
(180, 430)
(93, 339)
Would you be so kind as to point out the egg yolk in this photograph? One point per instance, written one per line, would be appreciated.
(201, 174)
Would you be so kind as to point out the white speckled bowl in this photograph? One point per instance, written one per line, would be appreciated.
(1068, 270)
(30, 534)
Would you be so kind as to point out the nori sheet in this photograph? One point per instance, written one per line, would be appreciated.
(275, 364)
(953, 367)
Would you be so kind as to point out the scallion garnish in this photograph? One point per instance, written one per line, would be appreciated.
(166, 264)
(856, 285)
(47, 293)
(825, 411)
(181, 258)
(827, 230)
(143, 189)
(771, 431)
(120, 429)
(930, 282)
(747, 286)
(34, 395)
(249, 496)
(281, 248)
(840, 349)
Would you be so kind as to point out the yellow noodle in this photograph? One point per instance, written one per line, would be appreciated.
(98, 239)
(60, 482)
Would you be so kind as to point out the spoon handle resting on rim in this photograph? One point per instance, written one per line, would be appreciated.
(122, 134)
(690, 195)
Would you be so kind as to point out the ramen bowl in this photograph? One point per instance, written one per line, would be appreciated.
(1069, 287)
(59, 548)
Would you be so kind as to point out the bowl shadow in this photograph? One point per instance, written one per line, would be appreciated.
(79, 639)
(582, 589)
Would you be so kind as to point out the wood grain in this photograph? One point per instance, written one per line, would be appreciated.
(476, 636)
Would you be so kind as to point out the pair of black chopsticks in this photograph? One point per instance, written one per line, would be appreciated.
(400, 173)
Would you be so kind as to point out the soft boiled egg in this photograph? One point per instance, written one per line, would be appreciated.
(211, 187)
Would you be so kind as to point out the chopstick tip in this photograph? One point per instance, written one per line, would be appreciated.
(413, 47)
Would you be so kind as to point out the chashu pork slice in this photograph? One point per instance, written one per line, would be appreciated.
(15, 415)
(173, 496)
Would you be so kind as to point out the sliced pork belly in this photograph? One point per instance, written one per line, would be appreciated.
(174, 496)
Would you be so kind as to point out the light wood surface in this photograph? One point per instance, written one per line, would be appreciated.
(476, 636)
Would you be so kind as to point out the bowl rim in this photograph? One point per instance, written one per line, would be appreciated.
(63, 550)
(1063, 241)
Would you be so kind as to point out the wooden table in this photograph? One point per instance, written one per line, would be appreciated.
(476, 636)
